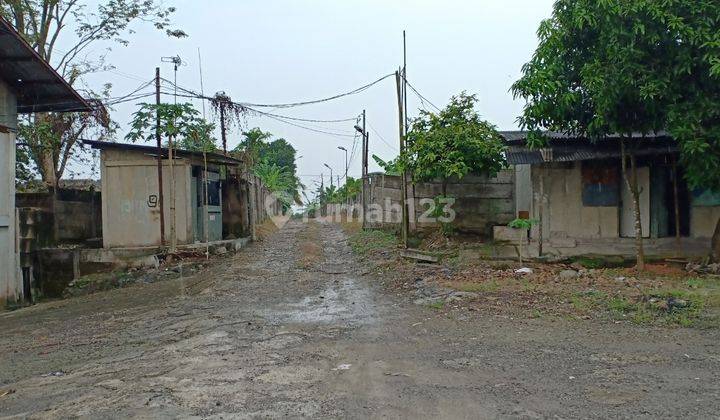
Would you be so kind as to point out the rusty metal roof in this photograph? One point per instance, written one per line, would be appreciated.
(569, 148)
(37, 86)
(152, 150)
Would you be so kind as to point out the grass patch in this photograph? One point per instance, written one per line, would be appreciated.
(367, 242)
(596, 262)
(437, 305)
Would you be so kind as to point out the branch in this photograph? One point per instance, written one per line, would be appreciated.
(59, 19)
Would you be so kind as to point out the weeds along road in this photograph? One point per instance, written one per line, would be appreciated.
(290, 327)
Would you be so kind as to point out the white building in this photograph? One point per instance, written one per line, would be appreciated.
(28, 84)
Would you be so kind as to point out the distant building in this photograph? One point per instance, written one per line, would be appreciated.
(28, 84)
(575, 189)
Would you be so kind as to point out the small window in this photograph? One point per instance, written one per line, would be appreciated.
(600, 184)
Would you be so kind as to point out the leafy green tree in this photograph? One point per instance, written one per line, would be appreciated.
(271, 156)
(390, 167)
(279, 181)
(630, 66)
(452, 143)
(254, 141)
(80, 27)
(180, 122)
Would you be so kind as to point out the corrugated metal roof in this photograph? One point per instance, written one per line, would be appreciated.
(520, 137)
(152, 150)
(37, 86)
(567, 148)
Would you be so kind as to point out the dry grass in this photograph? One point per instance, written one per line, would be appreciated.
(265, 229)
(311, 252)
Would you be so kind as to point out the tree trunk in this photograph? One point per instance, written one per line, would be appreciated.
(716, 243)
(632, 184)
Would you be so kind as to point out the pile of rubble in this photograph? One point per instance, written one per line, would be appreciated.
(701, 268)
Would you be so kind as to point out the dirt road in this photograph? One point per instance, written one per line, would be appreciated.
(291, 327)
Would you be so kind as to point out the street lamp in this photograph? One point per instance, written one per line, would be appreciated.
(346, 162)
(331, 173)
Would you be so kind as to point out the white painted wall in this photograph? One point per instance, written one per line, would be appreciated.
(10, 280)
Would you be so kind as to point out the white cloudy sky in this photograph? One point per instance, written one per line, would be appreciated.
(278, 51)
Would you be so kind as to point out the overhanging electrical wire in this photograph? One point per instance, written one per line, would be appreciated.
(422, 98)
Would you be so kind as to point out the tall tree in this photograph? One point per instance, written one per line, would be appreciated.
(273, 162)
(629, 66)
(51, 138)
(454, 142)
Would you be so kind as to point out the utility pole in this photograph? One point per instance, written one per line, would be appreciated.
(173, 234)
(159, 156)
(403, 183)
(365, 147)
(366, 139)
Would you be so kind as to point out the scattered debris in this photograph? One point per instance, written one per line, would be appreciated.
(524, 270)
(568, 274)
(7, 392)
(344, 366)
(56, 373)
(414, 254)
(396, 374)
(701, 268)
(430, 301)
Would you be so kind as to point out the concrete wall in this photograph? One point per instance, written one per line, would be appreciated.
(129, 181)
(78, 213)
(569, 228)
(480, 204)
(10, 280)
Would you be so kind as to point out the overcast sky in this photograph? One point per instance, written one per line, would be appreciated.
(279, 51)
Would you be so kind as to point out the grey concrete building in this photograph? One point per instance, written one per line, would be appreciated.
(575, 189)
(28, 84)
(130, 201)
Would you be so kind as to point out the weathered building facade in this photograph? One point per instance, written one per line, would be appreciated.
(27, 84)
(479, 202)
(575, 190)
(130, 199)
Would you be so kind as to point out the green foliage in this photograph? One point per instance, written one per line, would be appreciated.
(390, 167)
(77, 26)
(274, 163)
(254, 143)
(334, 195)
(181, 122)
(624, 66)
(367, 242)
(452, 143)
(523, 224)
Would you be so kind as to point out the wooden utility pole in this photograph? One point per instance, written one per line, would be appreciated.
(159, 156)
(403, 183)
(363, 193)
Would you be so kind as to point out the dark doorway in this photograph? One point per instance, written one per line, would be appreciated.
(663, 220)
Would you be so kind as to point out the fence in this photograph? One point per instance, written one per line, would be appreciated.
(479, 202)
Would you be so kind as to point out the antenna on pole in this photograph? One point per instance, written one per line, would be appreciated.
(173, 236)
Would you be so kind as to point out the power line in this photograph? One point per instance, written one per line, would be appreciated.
(422, 98)
(294, 104)
(382, 138)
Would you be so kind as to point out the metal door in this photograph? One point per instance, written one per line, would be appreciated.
(213, 209)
